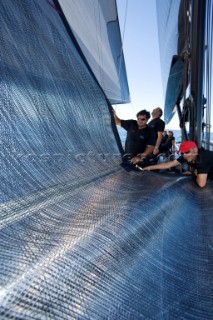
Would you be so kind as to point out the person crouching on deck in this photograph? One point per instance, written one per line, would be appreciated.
(199, 159)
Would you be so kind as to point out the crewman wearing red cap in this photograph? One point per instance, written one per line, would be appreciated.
(200, 160)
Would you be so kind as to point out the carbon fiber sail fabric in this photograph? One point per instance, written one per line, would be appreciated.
(55, 120)
(80, 237)
(110, 250)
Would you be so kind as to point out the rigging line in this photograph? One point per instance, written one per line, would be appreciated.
(122, 38)
(186, 57)
(209, 33)
(187, 47)
(98, 46)
(122, 43)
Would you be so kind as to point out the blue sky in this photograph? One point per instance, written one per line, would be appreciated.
(141, 52)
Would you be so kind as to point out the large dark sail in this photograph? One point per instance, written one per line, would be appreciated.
(80, 237)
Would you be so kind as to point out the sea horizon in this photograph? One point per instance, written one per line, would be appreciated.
(177, 135)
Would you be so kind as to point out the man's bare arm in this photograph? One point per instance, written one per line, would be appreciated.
(201, 179)
(163, 165)
(148, 151)
(158, 142)
(117, 120)
(140, 156)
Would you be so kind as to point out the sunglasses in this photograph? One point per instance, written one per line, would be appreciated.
(142, 119)
(187, 152)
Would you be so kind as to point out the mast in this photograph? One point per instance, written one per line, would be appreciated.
(198, 13)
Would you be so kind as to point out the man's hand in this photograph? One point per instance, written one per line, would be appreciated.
(147, 168)
(135, 160)
(155, 151)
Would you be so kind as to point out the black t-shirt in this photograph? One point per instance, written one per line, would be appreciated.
(164, 138)
(158, 125)
(137, 139)
(169, 141)
(203, 163)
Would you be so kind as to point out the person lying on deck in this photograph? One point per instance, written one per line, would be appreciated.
(200, 160)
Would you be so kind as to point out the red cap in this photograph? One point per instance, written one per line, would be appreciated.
(186, 146)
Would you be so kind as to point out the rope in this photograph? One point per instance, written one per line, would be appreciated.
(186, 57)
(122, 37)
(122, 43)
(208, 73)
